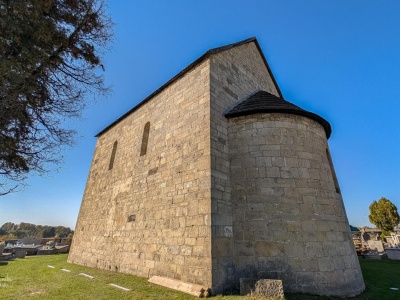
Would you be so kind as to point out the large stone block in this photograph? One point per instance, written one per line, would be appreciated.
(186, 287)
(263, 287)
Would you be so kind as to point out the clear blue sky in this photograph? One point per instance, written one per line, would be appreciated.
(339, 59)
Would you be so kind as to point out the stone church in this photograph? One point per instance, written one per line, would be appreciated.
(215, 177)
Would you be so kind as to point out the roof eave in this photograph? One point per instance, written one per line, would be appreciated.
(325, 124)
(202, 58)
(159, 90)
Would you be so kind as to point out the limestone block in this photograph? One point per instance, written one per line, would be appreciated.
(186, 287)
(269, 249)
(269, 288)
(262, 287)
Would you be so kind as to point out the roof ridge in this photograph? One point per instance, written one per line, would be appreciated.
(229, 46)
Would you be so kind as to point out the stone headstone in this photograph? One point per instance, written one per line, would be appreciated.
(389, 241)
(393, 253)
(376, 245)
(50, 245)
(20, 254)
(395, 238)
(31, 240)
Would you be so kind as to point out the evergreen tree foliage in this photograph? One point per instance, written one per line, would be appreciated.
(50, 55)
(49, 232)
(384, 215)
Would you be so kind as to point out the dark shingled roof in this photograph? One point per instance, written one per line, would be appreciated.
(190, 67)
(264, 102)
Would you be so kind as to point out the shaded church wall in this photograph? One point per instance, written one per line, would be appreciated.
(235, 74)
(147, 211)
(289, 220)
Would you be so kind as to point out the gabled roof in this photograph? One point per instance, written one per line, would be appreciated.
(264, 102)
(190, 67)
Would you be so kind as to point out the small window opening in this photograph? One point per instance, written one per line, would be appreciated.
(145, 139)
(333, 171)
(114, 150)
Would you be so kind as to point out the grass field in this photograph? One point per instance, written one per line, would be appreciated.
(32, 278)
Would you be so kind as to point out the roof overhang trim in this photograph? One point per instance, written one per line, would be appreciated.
(325, 124)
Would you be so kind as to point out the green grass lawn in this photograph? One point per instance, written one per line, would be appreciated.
(31, 278)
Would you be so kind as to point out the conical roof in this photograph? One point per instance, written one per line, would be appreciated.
(264, 102)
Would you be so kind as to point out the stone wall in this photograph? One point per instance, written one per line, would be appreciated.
(177, 190)
(289, 221)
(235, 74)
(150, 214)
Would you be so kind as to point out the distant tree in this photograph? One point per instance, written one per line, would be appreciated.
(384, 215)
(50, 53)
(9, 226)
(62, 231)
(61, 235)
(29, 228)
(49, 232)
(26, 229)
(19, 233)
(8, 237)
(39, 230)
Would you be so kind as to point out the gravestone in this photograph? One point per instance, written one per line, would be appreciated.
(393, 253)
(389, 241)
(20, 254)
(376, 245)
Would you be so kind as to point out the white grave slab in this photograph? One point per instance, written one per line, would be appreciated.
(376, 245)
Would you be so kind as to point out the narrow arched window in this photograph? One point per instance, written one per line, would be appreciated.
(145, 139)
(328, 154)
(112, 158)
